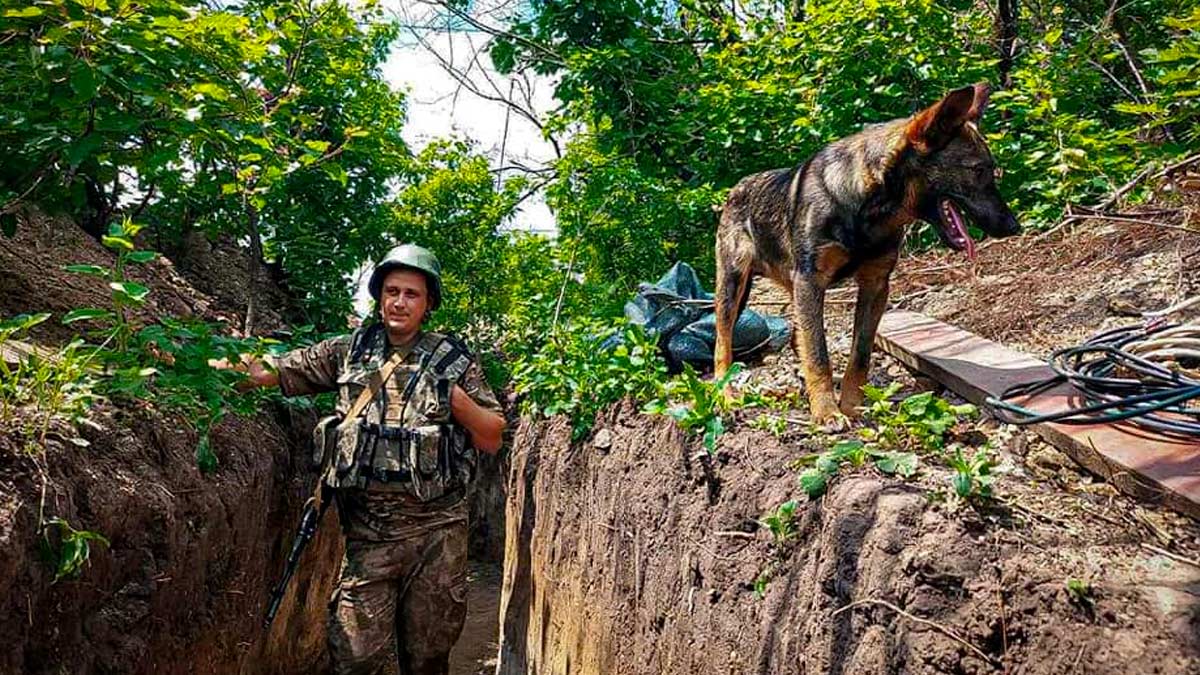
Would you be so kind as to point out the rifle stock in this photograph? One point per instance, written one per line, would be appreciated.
(310, 519)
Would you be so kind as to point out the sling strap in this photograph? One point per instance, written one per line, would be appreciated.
(368, 393)
(372, 389)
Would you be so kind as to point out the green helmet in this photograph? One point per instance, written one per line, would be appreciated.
(414, 257)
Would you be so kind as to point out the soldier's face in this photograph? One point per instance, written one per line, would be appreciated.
(403, 301)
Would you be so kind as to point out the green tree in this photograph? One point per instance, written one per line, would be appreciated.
(264, 120)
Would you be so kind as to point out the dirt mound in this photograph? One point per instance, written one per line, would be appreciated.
(182, 587)
(643, 557)
(35, 280)
(1058, 289)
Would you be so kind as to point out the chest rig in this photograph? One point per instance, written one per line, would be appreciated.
(400, 436)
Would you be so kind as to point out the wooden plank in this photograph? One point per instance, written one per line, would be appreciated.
(12, 352)
(1140, 463)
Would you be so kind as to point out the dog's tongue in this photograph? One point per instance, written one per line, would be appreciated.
(960, 230)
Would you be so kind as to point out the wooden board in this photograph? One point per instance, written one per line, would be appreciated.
(1138, 462)
(12, 352)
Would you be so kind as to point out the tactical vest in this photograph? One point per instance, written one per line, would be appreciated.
(424, 452)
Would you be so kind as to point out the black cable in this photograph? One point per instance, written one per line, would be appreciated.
(1115, 384)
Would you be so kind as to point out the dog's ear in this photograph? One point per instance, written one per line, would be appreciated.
(982, 90)
(934, 127)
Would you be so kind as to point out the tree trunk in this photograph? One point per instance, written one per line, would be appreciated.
(1006, 38)
(253, 268)
(97, 208)
(799, 11)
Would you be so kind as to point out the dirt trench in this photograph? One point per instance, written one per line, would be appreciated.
(642, 556)
(636, 552)
(184, 582)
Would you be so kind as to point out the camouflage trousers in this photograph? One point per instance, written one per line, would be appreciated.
(405, 600)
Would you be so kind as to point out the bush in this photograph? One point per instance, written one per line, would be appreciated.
(573, 375)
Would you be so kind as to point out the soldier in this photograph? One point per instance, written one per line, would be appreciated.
(412, 405)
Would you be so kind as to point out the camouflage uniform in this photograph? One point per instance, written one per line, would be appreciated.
(403, 578)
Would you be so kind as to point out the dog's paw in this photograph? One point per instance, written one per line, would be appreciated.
(833, 422)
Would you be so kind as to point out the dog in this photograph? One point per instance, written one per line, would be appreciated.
(843, 213)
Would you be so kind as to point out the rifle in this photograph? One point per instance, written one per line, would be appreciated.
(310, 518)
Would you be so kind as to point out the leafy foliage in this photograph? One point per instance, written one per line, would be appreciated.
(670, 104)
(780, 521)
(572, 374)
(126, 294)
(772, 424)
(184, 381)
(973, 476)
(73, 548)
(1080, 592)
(815, 479)
(268, 120)
(700, 404)
(167, 363)
(919, 421)
(41, 391)
(1176, 102)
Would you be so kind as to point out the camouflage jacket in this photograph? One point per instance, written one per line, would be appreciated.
(404, 440)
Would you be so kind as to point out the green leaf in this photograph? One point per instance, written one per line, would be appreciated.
(205, 459)
(337, 173)
(82, 148)
(133, 291)
(83, 81)
(141, 256)
(86, 314)
(90, 270)
(828, 463)
(900, 463)
(24, 12)
(116, 242)
(873, 393)
(714, 428)
(210, 90)
(813, 483)
(915, 405)
(22, 322)
(318, 147)
(962, 484)
(845, 448)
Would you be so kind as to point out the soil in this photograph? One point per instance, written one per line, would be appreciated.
(475, 652)
(1040, 294)
(183, 583)
(643, 558)
(640, 553)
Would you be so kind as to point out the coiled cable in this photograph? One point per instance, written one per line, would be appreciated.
(1147, 375)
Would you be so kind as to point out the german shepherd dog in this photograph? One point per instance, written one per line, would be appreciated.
(843, 214)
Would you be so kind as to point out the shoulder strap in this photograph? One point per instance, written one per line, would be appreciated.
(372, 390)
(364, 339)
(453, 359)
